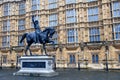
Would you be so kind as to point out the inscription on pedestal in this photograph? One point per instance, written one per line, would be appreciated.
(33, 65)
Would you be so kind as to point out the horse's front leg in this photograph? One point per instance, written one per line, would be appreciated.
(44, 47)
(53, 43)
(30, 52)
(25, 52)
(28, 48)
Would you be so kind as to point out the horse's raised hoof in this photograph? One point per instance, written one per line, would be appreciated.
(30, 54)
(54, 48)
(25, 54)
(46, 54)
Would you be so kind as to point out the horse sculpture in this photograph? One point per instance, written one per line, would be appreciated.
(44, 37)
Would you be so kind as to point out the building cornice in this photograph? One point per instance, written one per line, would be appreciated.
(5, 1)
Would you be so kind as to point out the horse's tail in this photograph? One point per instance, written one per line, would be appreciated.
(23, 37)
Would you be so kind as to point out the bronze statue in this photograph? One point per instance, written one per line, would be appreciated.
(38, 36)
(37, 28)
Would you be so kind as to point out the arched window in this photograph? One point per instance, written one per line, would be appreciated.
(95, 58)
(72, 58)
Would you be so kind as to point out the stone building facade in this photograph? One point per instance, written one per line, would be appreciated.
(88, 31)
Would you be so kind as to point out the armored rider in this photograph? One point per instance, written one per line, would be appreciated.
(37, 29)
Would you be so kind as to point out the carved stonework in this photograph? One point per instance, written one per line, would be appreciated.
(94, 47)
(18, 48)
(51, 47)
(4, 1)
(72, 46)
(35, 47)
(52, 53)
(5, 49)
(116, 46)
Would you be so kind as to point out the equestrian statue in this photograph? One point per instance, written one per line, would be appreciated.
(38, 36)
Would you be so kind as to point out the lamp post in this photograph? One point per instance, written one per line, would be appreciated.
(1, 62)
(78, 63)
(16, 61)
(106, 54)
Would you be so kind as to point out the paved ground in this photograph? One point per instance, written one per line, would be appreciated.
(64, 74)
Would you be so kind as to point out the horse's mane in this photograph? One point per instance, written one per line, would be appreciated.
(45, 29)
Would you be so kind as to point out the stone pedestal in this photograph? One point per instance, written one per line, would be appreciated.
(36, 66)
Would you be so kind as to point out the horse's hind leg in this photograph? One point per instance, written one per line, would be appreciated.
(29, 48)
(26, 50)
(30, 52)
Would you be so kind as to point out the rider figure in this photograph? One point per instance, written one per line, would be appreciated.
(37, 29)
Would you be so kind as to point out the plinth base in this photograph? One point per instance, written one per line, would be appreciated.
(28, 73)
(36, 66)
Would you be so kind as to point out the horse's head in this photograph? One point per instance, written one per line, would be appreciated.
(49, 31)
